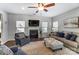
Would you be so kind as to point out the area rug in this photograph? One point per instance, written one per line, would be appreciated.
(38, 48)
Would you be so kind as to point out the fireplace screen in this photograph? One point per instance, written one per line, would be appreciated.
(33, 33)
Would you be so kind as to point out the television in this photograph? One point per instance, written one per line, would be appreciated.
(33, 22)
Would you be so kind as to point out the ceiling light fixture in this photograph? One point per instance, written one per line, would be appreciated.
(40, 8)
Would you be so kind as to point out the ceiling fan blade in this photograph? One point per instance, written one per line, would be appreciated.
(45, 10)
(32, 7)
(42, 4)
(38, 4)
(37, 11)
(49, 5)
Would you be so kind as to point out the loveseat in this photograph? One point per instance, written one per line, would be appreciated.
(72, 44)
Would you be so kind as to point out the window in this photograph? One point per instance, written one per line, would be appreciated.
(20, 26)
(44, 27)
(55, 26)
(44, 30)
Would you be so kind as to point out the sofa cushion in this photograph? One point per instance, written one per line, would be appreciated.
(21, 35)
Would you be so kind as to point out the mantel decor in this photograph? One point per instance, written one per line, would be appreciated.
(71, 23)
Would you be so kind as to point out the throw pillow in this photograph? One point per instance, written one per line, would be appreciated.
(68, 36)
(14, 49)
(60, 34)
(73, 38)
(21, 35)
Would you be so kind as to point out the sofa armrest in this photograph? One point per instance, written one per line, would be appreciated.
(71, 43)
(18, 38)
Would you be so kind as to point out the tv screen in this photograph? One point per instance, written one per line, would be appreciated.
(33, 22)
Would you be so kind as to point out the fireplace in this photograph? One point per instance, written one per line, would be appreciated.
(33, 33)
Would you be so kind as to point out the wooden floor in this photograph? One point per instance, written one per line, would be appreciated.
(10, 43)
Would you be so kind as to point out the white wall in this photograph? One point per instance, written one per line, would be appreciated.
(4, 35)
(12, 18)
(0, 23)
(65, 16)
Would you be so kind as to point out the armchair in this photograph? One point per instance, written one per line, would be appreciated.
(21, 39)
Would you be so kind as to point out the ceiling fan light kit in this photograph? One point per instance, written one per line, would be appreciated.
(40, 8)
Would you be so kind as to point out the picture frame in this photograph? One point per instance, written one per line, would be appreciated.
(71, 22)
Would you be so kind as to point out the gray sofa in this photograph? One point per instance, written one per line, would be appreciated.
(73, 45)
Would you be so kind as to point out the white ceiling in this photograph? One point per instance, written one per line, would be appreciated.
(21, 8)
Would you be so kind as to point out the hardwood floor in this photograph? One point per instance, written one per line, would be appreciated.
(10, 43)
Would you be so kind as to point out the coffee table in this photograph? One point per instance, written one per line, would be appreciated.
(53, 43)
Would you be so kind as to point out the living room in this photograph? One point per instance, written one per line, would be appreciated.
(26, 30)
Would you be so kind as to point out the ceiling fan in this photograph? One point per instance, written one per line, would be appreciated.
(42, 6)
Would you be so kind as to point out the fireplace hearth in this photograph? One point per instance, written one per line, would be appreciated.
(33, 33)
